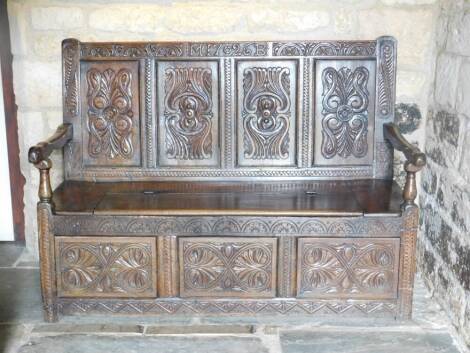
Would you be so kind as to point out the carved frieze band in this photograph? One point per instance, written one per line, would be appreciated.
(110, 114)
(127, 225)
(338, 48)
(348, 268)
(105, 268)
(266, 112)
(70, 62)
(386, 79)
(149, 113)
(188, 113)
(306, 147)
(228, 121)
(214, 267)
(345, 100)
(263, 306)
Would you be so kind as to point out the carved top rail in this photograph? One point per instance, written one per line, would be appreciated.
(239, 110)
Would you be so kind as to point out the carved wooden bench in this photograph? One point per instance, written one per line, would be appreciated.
(215, 178)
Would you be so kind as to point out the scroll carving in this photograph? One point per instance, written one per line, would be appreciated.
(188, 113)
(70, 52)
(110, 113)
(324, 49)
(105, 269)
(345, 100)
(346, 268)
(386, 79)
(221, 268)
(266, 112)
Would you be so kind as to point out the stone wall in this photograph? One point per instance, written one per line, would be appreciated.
(444, 245)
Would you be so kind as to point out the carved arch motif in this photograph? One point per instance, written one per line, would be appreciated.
(188, 113)
(110, 113)
(345, 100)
(266, 112)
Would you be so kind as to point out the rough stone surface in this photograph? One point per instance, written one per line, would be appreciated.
(99, 344)
(444, 242)
(56, 18)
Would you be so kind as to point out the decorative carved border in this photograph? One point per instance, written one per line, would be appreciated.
(287, 266)
(386, 66)
(247, 226)
(407, 261)
(149, 114)
(131, 50)
(383, 160)
(70, 77)
(306, 145)
(232, 306)
(324, 48)
(228, 121)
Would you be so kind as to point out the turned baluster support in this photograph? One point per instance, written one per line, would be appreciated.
(45, 189)
(410, 191)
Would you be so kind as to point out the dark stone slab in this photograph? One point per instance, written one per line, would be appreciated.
(20, 297)
(199, 329)
(140, 344)
(362, 342)
(87, 328)
(9, 253)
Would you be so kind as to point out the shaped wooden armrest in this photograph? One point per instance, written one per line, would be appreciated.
(39, 156)
(43, 150)
(415, 161)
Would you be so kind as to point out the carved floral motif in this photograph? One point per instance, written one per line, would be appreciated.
(106, 268)
(188, 113)
(324, 48)
(266, 112)
(345, 100)
(110, 113)
(328, 268)
(212, 267)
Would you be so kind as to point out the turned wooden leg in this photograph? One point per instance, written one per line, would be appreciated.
(46, 243)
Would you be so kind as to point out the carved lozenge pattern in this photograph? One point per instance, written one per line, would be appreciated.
(228, 268)
(105, 269)
(110, 114)
(345, 100)
(266, 112)
(350, 269)
(188, 113)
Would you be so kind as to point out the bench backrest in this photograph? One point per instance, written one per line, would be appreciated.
(228, 110)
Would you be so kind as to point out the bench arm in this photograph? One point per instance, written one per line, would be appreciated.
(39, 156)
(43, 150)
(415, 161)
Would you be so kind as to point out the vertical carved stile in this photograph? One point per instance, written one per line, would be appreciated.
(46, 257)
(149, 113)
(386, 78)
(306, 148)
(287, 264)
(70, 68)
(407, 261)
(228, 113)
(167, 266)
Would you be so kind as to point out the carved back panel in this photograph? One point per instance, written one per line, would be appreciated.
(239, 110)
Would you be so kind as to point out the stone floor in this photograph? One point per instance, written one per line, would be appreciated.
(22, 329)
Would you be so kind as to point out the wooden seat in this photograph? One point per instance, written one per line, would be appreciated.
(328, 198)
(228, 178)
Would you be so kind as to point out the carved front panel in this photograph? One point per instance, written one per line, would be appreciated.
(227, 267)
(344, 112)
(188, 113)
(106, 267)
(347, 268)
(267, 113)
(111, 121)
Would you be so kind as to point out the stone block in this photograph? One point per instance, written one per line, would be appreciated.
(463, 90)
(133, 18)
(459, 33)
(464, 168)
(19, 24)
(447, 77)
(86, 328)
(163, 344)
(57, 18)
(202, 17)
(37, 84)
(408, 2)
(279, 19)
(199, 329)
(356, 341)
(410, 84)
(411, 27)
